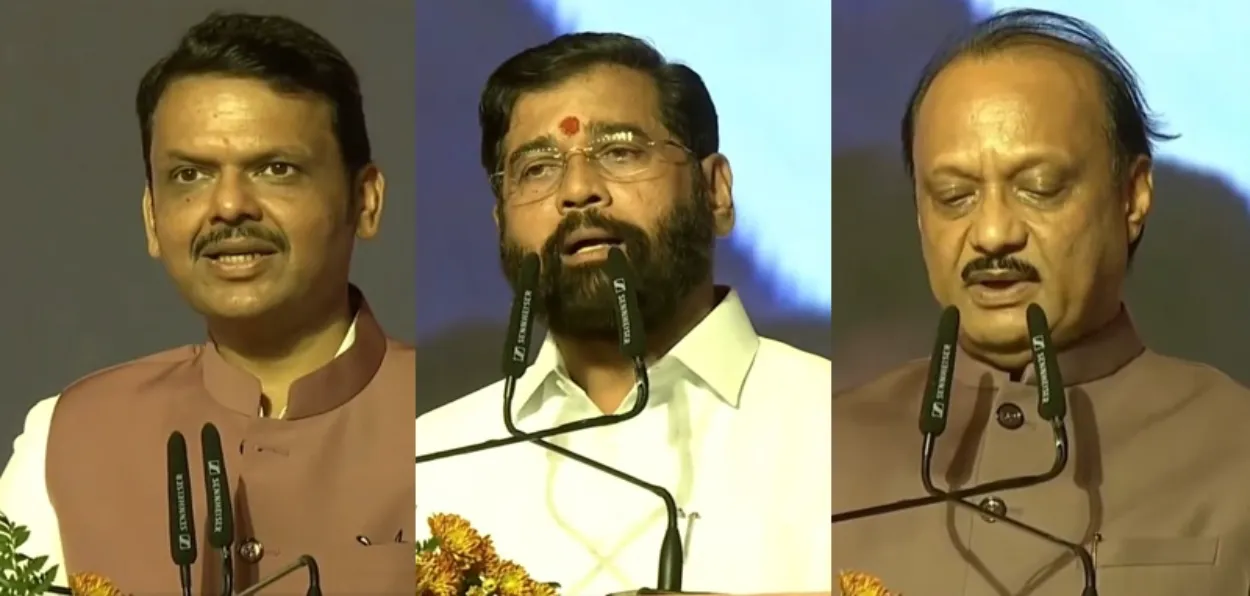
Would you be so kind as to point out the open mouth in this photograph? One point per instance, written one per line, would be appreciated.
(1000, 284)
(588, 241)
(238, 253)
(999, 281)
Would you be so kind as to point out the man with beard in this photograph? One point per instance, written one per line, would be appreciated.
(260, 178)
(595, 141)
(1030, 147)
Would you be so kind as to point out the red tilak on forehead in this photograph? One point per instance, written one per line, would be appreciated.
(570, 125)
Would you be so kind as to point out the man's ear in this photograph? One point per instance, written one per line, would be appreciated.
(149, 223)
(718, 177)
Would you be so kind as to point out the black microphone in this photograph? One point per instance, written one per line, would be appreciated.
(632, 343)
(182, 544)
(1052, 407)
(220, 508)
(937, 393)
(516, 361)
(516, 346)
(314, 577)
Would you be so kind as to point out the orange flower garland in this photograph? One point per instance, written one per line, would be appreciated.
(458, 561)
(852, 583)
(90, 584)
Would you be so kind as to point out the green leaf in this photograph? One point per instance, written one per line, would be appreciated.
(20, 536)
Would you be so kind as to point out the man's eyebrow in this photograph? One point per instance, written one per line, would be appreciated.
(268, 155)
(545, 143)
(598, 129)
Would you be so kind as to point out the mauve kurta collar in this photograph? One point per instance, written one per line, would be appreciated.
(319, 392)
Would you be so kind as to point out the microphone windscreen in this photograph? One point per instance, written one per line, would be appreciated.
(1052, 404)
(521, 323)
(937, 393)
(217, 483)
(630, 333)
(182, 544)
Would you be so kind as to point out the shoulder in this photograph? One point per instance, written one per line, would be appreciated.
(903, 378)
(783, 366)
(888, 399)
(792, 359)
(128, 375)
(475, 417)
(1192, 381)
(405, 352)
(401, 360)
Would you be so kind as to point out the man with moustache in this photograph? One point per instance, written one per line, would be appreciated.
(259, 180)
(594, 141)
(1030, 147)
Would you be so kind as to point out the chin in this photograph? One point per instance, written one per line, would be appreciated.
(1000, 329)
(236, 305)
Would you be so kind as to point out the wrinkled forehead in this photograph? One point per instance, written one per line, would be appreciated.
(601, 100)
(1018, 101)
(211, 114)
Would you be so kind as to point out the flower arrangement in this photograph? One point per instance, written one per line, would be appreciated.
(852, 583)
(458, 561)
(21, 575)
(455, 561)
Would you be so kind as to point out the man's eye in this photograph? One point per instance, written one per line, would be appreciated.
(185, 175)
(278, 170)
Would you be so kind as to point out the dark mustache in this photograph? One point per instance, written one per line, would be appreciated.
(216, 235)
(1004, 263)
(581, 220)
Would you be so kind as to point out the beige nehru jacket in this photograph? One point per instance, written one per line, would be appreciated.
(336, 467)
(1160, 471)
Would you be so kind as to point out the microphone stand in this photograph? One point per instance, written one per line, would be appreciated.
(671, 555)
(314, 577)
(1060, 432)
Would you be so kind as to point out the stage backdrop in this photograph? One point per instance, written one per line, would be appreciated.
(1189, 290)
(79, 291)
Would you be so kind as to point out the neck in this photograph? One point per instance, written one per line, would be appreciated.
(598, 367)
(280, 350)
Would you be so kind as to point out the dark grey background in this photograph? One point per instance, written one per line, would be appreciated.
(79, 291)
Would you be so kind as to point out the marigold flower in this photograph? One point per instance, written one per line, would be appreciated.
(438, 576)
(91, 584)
(465, 563)
(457, 538)
(853, 583)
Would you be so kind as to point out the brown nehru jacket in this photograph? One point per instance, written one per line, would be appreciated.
(338, 466)
(1158, 485)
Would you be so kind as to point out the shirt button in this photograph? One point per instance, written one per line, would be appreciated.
(1009, 416)
(252, 550)
(993, 506)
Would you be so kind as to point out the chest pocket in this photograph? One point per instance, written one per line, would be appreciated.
(1157, 566)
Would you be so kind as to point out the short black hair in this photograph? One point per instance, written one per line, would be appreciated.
(1131, 126)
(686, 107)
(284, 53)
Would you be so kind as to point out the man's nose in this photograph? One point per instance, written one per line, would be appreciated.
(997, 227)
(234, 200)
(582, 187)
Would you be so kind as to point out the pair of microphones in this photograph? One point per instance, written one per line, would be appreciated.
(935, 405)
(183, 546)
(631, 341)
(182, 539)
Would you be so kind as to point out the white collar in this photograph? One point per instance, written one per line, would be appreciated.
(719, 350)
